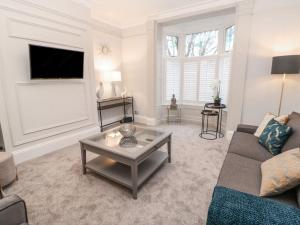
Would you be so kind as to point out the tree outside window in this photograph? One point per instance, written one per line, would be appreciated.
(201, 44)
(229, 38)
(172, 46)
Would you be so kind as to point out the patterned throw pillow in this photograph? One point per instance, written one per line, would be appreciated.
(283, 119)
(274, 136)
(280, 173)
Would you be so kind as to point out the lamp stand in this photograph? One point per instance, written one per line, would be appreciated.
(281, 95)
(113, 89)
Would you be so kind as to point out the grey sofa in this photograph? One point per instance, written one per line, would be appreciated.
(13, 211)
(241, 168)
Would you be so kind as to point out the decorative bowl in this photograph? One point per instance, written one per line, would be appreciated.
(127, 130)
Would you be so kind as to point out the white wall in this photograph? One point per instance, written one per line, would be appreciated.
(35, 121)
(275, 31)
(207, 22)
(267, 28)
(110, 62)
(136, 61)
(41, 116)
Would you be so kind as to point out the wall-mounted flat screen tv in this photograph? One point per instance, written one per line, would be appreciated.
(54, 63)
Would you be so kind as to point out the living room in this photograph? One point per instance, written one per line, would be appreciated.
(132, 56)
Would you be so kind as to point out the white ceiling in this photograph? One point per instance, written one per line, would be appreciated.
(125, 13)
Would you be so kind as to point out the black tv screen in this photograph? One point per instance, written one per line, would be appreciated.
(54, 63)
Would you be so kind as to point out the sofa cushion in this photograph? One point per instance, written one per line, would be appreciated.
(274, 136)
(298, 195)
(280, 173)
(263, 124)
(294, 140)
(244, 174)
(268, 117)
(247, 145)
(241, 174)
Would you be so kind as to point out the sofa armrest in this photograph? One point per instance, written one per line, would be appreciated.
(13, 210)
(246, 128)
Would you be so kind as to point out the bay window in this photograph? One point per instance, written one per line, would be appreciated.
(192, 62)
(201, 44)
(172, 46)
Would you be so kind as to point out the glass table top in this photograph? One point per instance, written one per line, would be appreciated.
(142, 140)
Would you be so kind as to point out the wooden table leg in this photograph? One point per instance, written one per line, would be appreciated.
(134, 177)
(83, 158)
(169, 149)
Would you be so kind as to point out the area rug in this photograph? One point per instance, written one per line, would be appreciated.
(56, 192)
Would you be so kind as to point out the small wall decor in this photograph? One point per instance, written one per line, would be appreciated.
(104, 49)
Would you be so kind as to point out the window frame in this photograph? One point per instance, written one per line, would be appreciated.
(227, 27)
(166, 58)
(166, 45)
(196, 33)
(182, 58)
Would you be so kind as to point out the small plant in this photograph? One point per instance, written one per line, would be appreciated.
(216, 86)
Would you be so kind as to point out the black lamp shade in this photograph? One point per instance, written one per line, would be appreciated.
(288, 64)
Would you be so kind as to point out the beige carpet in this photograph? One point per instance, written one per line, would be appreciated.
(56, 192)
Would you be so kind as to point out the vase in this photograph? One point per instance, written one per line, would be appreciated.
(217, 102)
(100, 91)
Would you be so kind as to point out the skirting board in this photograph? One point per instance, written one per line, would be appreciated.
(146, 120)
(137, 118)
(44, 148)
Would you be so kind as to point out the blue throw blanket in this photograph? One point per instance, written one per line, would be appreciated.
(233, 207)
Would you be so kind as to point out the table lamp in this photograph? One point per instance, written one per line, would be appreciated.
(288, 64)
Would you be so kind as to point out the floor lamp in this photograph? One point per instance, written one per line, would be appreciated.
(284, 65)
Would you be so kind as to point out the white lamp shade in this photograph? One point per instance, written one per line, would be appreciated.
(112, 76)
(116, 76)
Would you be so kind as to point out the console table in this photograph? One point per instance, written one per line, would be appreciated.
(109, 103)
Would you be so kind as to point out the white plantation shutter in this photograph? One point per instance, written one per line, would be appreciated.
(190, 71)
(172, 79)
(224, 76)
(191, 78)
(206, 77)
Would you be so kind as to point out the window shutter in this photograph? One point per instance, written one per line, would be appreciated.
(190, 81)
(172, 79)
(224, 76)
(207, 76)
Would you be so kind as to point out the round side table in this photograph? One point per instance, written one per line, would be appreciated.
(206, 133)
(220, 109)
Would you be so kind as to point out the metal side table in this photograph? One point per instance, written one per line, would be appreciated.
(174, 113)
(220, 109)
(207, 133)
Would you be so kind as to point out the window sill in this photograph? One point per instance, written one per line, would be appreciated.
(190, 106)
(185, 105)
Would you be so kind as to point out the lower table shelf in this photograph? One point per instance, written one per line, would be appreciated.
(121, 173)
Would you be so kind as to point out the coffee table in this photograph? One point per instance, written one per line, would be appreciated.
(130, 165)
